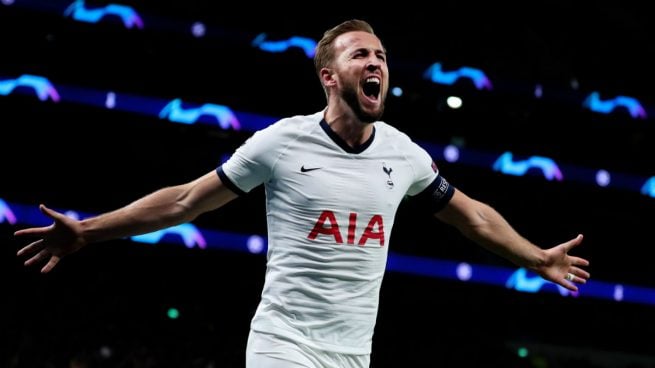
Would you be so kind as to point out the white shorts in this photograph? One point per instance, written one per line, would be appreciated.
(272, 351)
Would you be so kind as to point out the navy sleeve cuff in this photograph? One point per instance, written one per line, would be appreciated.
(227, 182)
(437, 195)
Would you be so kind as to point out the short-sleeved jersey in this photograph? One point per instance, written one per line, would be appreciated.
(330, 209)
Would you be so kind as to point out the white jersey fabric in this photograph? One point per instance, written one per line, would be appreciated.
(330, 210)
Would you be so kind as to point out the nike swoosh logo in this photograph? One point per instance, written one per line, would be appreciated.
(303, 169)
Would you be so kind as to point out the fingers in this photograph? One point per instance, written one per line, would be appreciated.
(50, 265)
(577, 261)
(574, 276)
(37, 231)
(42, 255)
(579, 274)
(575, 273)
(50, 213)
(574, 242)
(32, 248)
(570, 285)
(37, 248)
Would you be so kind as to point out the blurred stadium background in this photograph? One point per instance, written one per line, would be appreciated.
(102, 102)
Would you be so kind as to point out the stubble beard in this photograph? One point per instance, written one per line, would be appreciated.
(349, 95)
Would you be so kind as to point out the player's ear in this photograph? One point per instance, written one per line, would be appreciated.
(328, 77)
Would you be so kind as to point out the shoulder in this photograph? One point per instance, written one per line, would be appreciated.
(298, 122)
(393, 134)
(290, 126)
(397, 140)
(293, 125)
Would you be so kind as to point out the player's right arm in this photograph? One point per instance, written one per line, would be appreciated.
(163, 208)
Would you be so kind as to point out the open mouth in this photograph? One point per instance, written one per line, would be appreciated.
(371, 88)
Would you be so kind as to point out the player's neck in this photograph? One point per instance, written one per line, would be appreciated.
(347, 126)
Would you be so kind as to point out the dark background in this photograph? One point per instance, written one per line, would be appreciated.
(115, 295)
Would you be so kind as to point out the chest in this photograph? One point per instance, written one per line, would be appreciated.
(375, 183)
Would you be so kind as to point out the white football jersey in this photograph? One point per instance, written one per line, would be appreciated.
(330, 210)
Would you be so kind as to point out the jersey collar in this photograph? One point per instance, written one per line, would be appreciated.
(341, 143)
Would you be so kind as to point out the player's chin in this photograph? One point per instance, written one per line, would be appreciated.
(372, 114)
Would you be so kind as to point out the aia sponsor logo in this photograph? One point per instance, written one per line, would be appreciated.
(328, 225)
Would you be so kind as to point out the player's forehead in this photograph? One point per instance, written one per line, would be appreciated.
(357, 40)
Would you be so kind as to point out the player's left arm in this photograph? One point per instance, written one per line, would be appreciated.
(484, 225)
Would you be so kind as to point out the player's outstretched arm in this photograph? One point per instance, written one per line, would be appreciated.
(161, 209)
(484, 225)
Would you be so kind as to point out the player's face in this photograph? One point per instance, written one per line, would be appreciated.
(362, 74)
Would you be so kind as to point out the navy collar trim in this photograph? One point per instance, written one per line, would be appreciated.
(341, 143)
